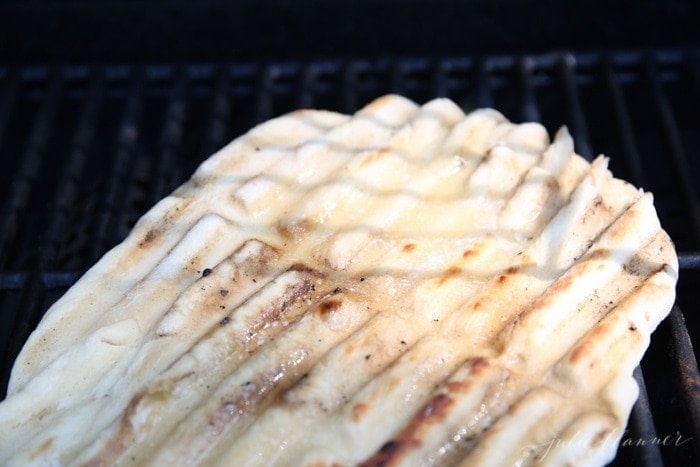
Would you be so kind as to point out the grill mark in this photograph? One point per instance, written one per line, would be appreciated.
(45, 446)
(293, 294)
(124, 438)
(374, 156)
(125, 435)
(499, 279)
(294, 230)
(148, 238)
(300, 367)
(390, 210)
(578, 352)
(582, 266)
(408, 439)
(284, 396)
(530, 240)
(131, 256)
(212, 302)
(451, 273)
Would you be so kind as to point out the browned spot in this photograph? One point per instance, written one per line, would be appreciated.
(287, 305)
(388, 454)
(449, 274)
(458, 386)
(43, 413)
(479, 364)
(148, 238)
(467, 253)
(512, 270)
(300, 113)
(375, 156)
(392, 383)
(556, 288)
(258, 264)
(408, 439)
(45, 446)
(436, 410)
(599, 438)
(502, 279)
(328, 306)
(578, 353)
(294, 230)
(409, 247)
(121, 440)
(601, 253)
(299, 267)
(624, 224)
(379, 103)
(350, 348)
(358, 410)
(298, 383)
(552, 184)
(632, 327)
(477, 305)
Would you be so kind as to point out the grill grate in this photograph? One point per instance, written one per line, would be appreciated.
(86, 150)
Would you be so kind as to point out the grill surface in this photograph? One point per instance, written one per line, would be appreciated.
(86, 150)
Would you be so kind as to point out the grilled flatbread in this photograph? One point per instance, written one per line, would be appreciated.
(407, 285)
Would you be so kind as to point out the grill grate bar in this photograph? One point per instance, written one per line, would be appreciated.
(483, 96)
(220, 110)
(127, 136)
(643, 424)
(689, 261)
(266, 80)
(624, 126)
(687, 368)
(678, 157)
(307, 86)
(8, 102)
(349, 87)
(398, 77)
(269, 89)
(25, 175)
(567, 68)
(170, 138)
(66, 192)
(65, 195)
(529, 110)
(441, 87)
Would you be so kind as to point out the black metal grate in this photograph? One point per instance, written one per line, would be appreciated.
(86, 150)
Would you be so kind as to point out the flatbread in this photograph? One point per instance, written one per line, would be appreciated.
(408, 285)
